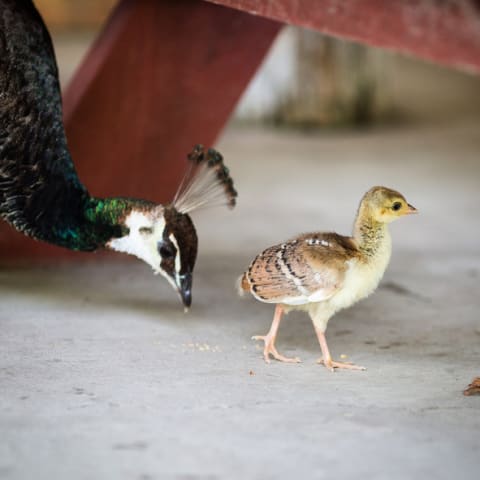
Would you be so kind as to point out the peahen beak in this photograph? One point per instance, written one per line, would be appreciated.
(184, 286)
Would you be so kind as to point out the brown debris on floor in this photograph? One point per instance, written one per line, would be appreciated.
(473, 388)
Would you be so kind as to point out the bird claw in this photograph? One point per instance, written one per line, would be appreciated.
(332, 365)
(271, 350)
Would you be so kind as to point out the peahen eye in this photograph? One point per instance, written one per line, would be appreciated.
(145, 230)
(396, 206)
(166, 250)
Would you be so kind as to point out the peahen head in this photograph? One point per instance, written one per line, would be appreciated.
(164, 236)
(166, 240)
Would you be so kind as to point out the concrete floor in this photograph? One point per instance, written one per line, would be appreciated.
(102, 375)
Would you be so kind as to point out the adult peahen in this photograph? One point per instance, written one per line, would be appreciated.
(40, 192)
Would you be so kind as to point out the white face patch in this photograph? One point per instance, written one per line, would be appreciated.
(178, 265)
(146, 230)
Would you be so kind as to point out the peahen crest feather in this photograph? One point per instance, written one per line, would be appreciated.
(207, 182)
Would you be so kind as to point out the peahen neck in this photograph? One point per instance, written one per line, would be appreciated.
(98, 221)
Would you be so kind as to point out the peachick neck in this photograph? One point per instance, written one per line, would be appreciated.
(372, 236)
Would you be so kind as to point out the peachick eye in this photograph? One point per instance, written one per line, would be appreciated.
(397, 206)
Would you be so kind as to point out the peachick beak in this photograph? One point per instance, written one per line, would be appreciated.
(185, 289)
(411, 209)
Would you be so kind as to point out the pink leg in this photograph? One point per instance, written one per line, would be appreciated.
(327, 358)
(270, 337)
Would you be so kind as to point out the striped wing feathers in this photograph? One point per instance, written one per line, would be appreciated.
(309, 268)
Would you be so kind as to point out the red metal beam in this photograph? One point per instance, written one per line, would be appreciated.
(165, 74)
(161, 77)
(442, 31)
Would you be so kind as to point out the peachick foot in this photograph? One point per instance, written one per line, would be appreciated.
(332, 365)
(271, 350)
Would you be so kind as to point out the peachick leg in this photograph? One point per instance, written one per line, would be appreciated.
(327, 358)
(270, 337)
